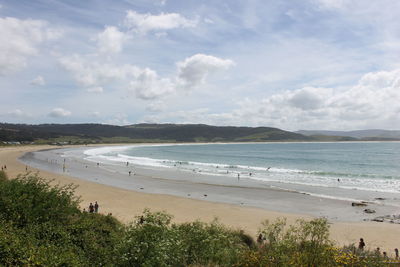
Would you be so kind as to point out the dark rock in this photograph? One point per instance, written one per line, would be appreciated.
(369, 211)
(358, 204)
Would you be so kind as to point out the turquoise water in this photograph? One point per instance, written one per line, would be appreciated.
(360, 165)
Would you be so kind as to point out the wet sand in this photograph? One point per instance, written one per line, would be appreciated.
(194, 201)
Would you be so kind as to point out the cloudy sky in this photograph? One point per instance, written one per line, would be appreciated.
(291, 64)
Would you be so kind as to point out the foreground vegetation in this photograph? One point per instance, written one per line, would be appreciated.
(42, 225)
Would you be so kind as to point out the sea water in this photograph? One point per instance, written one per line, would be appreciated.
(367, 166)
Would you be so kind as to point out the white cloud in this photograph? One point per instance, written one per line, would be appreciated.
(309, 98)
(163, 2)
(89, 73)
(59, 112)
(39, 80)
(20, 39)
(119, 119)
(97, 89)
(145, 83)
(156, 106)
(144, 23)
(208, 21)
(111, 40)
(371, 103)
(17, 113)
(94, 114)
(149, 86)
(335, 4)
(194, 70)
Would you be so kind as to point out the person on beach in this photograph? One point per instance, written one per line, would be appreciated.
(238, 176)
(127, 163)
(130, 173)
(361, 244)
(91, 208)
(96, 207)
(396, 253)
(260, 239)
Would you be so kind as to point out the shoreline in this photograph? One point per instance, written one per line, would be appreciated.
(126, 204)
(200, 186)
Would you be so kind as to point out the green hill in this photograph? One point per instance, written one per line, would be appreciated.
(91, 133)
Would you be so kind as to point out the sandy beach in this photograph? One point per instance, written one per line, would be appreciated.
(125, 203)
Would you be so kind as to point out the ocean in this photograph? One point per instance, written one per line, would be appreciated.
(366, 166)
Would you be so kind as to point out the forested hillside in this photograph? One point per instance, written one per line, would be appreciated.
(143, 132)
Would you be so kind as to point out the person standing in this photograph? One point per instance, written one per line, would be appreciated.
(361, 244)
(91, 208)
(96, 207)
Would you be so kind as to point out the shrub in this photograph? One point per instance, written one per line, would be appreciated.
(41, 224)
(211, 243)
(154, 241)
(3, 176)
(151, 241)
(30, 199)
(302, 244)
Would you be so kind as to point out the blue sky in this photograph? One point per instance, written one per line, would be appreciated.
(294, 64)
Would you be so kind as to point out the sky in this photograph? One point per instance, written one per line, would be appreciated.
(290, 64)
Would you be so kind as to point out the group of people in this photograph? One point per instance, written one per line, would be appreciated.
(3, 168)
(361, 246)
(93, 208)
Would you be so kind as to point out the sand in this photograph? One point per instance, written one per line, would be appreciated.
(126, 204)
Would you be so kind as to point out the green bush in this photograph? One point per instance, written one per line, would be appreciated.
(154, 241)
(30, 199)
(151, 241)
(211, 243)
(302, 244)
(3, 176)
(42, 225)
